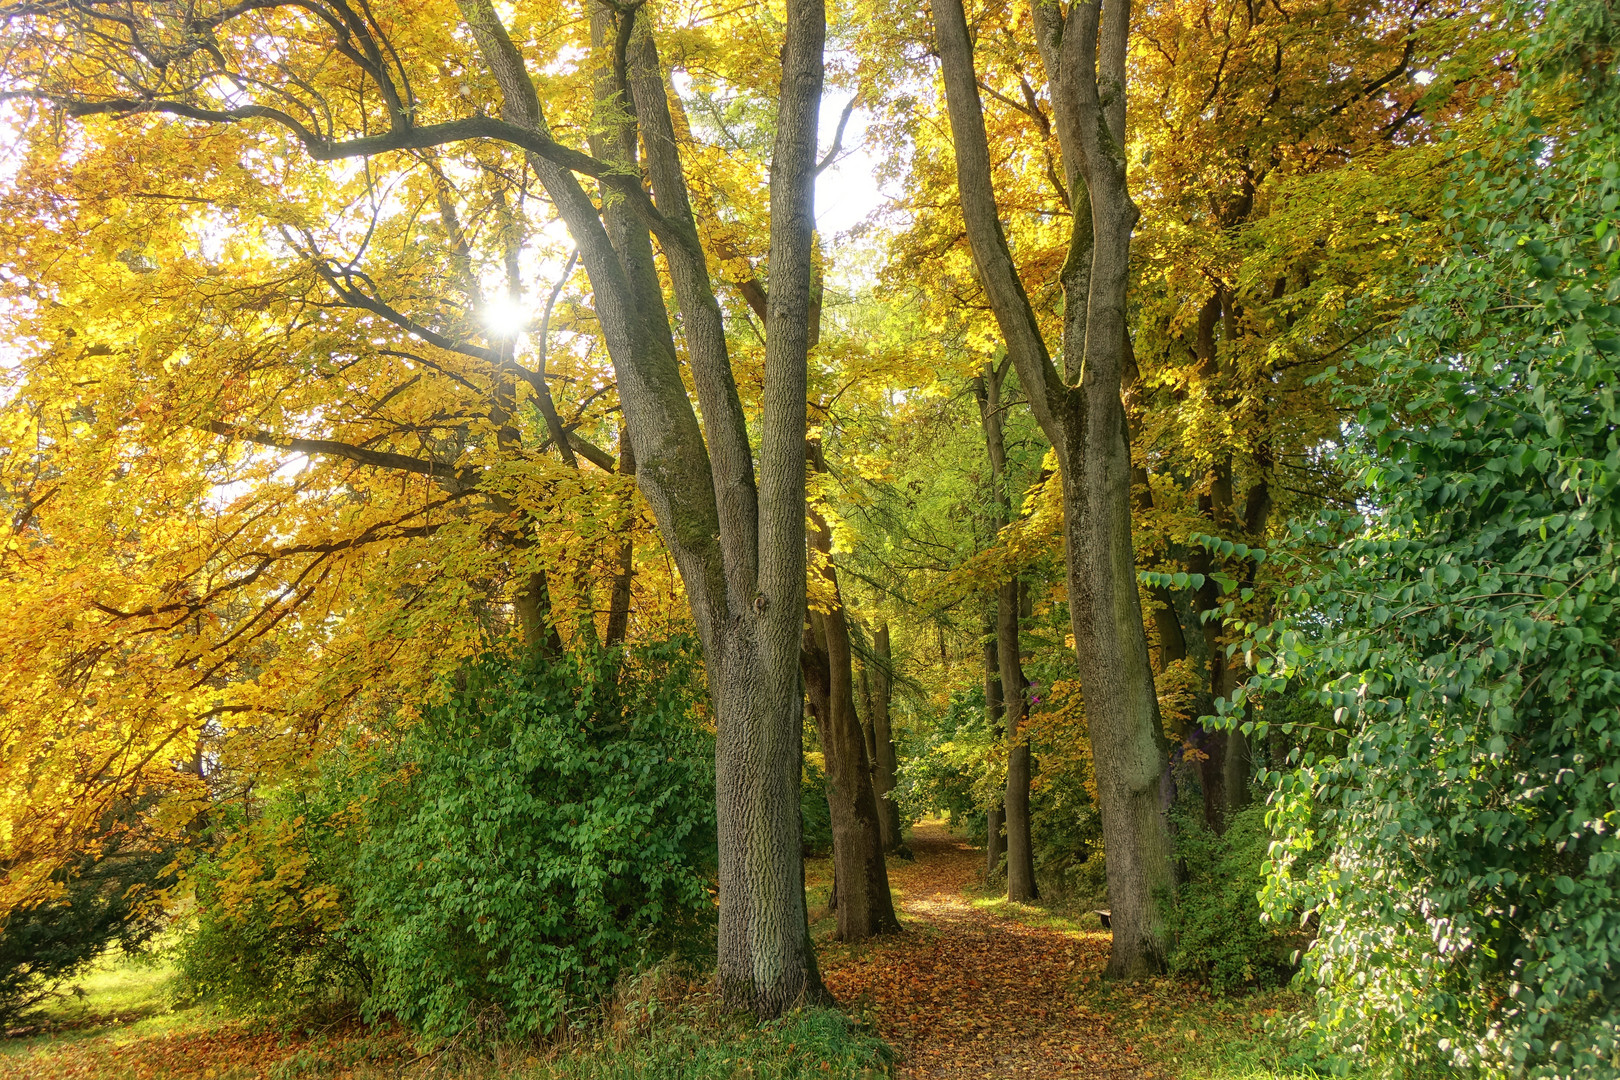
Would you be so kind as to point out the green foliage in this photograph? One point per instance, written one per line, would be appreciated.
(815, 816)
(103, 902)
(541, 833)
(272, 931)
(1219, 934)
(811, 1044)
(545, 830)
(1066, 830)
(948, 768)
(1466, 632)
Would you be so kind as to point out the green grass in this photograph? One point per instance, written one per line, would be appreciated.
(119, 997)
(121, 1021)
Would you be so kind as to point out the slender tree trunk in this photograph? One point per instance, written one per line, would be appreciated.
(1014, 692)
(1083, 416)
(886, 764)
(618, 623)
(1015, 695)
(865, 906)
(995, 847)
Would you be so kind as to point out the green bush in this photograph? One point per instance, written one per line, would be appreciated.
(273, 905)
(947, 766)
(541, 833)
(1220, 937)
(1466, 632)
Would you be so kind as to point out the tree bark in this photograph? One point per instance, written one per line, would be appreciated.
(618, 623)
(738, 544)
(995, 847)
(886, 763)
(1020, 853)
(1084, 418)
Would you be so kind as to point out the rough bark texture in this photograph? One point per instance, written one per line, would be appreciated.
(738, 544)
(1084, 418)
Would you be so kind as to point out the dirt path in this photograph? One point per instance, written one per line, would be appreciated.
(970, 993)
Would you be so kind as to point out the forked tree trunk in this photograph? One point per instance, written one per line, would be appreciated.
(1084, 418)
(737, 540)
(738, 543)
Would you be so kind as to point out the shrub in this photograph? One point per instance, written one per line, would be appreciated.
(951, 767)
(541, 833)
(1466, 633)
(272, 928)
(1220, 937)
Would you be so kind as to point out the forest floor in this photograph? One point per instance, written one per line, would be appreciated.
(980, 988)
(969, 991)
(974, 988)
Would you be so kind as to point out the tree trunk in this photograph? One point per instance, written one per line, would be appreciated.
(995, 847)
(1014, 692)
(618, 623)
(1083, 416)
(737, 543)
(865, 907)
(1015, 697)
(886, 764)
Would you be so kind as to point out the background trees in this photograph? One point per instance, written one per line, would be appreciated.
(389, 386)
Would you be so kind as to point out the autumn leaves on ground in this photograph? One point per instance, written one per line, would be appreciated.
(970, 991)
(972, 988)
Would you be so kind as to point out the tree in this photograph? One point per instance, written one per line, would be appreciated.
(1462, 635)
(861, 899)
(1011, 692)
(1083, 416)
(877, 677)
(107, 898)
(1293, 166)
(736, 539)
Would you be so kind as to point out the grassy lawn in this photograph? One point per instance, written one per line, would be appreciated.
(121, 1021)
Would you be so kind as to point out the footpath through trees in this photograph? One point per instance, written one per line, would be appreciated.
(970, 992)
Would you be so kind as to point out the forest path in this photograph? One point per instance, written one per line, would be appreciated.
(970, 992)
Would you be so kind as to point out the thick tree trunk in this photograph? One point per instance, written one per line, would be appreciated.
(886, 764)
(738, 544)
(995, 847)
(865, 907)
(1083, 417)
